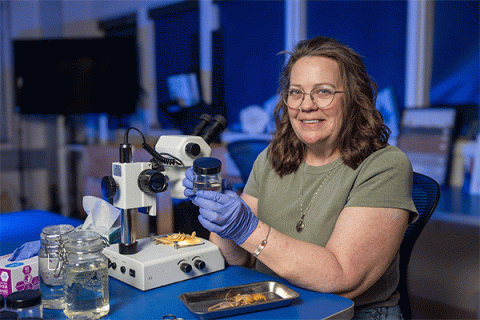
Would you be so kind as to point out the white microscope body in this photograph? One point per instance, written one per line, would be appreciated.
(129, 194)
(180, 147)
(134, 185)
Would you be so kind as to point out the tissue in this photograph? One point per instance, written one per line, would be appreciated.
(102, 217)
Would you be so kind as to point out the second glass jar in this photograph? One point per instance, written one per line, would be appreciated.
(206, 174)
(85, 276)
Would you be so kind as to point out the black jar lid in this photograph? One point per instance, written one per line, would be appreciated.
(207, 165)
(10, 315)
(24, 299)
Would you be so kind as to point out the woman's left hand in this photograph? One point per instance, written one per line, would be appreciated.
(226, 214)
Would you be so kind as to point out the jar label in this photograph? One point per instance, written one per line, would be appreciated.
(48, 273)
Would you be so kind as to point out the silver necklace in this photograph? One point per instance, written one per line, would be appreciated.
(301, 224)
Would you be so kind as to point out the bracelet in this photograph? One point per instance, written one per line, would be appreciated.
(262, 244)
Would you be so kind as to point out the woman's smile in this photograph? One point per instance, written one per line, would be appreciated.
(317, 127)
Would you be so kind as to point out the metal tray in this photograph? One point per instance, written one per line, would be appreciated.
(198, 302)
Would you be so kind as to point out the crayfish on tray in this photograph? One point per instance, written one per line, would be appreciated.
(181, 239)
(237, 301)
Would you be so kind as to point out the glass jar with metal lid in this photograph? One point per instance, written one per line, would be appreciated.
(206, 174)
(51, 281)
(85, 276)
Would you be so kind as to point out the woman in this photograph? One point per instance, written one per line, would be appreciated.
(327, 204)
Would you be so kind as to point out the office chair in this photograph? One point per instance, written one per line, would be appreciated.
(244, 153)
(426, 193)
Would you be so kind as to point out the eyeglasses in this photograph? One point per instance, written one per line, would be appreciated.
(322, 97)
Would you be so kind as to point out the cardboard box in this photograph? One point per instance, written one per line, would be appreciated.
(18, 275)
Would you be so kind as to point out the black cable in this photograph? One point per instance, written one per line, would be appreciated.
(172, 160)
(159, 157)
(125, 138)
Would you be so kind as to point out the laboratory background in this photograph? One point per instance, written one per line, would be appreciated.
(184, 59)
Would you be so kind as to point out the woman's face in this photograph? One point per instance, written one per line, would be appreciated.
(317, 128)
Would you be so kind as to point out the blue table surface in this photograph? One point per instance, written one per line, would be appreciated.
(20, 227)
(127, 302)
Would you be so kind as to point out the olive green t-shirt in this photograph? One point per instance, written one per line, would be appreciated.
(383, 180)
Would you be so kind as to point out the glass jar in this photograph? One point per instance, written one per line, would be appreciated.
(51, 277)
(85, 276)
(26, 303)
(206, 174)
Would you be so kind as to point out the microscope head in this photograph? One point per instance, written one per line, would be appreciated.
(183, 150)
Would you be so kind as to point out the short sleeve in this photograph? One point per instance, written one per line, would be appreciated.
(384, 181)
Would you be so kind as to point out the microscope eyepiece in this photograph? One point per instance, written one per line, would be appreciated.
(219, 124)
(205, 120)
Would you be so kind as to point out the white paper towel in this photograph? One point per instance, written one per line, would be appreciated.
(100, 214)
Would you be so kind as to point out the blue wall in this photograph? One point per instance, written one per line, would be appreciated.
(374, 29)
(456, 62)
(253, 35)
(177, 52)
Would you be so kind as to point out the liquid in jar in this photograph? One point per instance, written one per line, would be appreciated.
(85, 276)
(86, 291)
(206, 174)
(51, 277)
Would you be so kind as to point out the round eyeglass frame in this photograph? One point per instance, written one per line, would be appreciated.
(285, 98)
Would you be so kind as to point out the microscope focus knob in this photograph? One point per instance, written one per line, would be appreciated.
(192, 149)
(199, 264)
(152, 181)
(109, 187)
(185, 267)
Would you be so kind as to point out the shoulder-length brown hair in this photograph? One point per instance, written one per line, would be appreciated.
(363, 131)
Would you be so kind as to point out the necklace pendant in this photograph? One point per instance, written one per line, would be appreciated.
(300, 226)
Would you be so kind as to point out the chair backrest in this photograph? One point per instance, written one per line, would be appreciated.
(426, 193)
(244, 153)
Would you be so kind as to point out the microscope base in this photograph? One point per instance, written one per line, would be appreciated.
(157, 265)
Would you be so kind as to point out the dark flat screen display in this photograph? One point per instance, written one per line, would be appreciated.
(76, 76)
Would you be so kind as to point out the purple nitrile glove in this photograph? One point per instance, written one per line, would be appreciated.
(25, 251)
(226, 214)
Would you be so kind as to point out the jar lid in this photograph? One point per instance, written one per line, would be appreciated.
(84, 241)
(8, 315)
(2, 301)
(52, 235)
(207, 165)
(24, 299)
